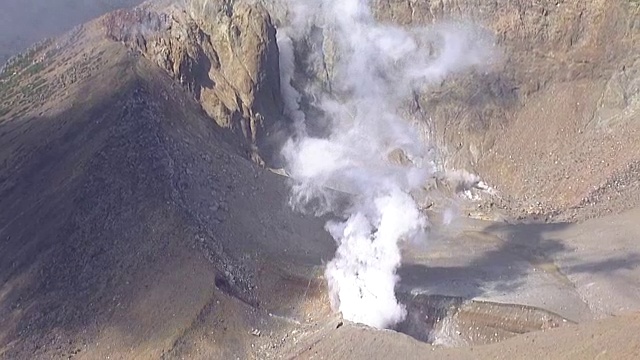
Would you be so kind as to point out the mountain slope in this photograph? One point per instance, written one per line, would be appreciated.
(127, 212)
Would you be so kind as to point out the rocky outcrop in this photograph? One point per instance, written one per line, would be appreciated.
(225, 53)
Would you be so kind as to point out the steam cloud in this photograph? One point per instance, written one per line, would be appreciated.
(377, 67)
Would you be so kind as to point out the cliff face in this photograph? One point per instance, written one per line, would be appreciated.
(224, 53)
(557, 119)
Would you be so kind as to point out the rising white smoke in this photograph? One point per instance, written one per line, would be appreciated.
(376, 68)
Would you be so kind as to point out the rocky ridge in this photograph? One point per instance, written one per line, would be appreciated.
(225, 54)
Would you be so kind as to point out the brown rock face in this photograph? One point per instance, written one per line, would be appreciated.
(225, 54)
(558, 118)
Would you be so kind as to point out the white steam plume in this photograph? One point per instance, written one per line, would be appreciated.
(377, 68)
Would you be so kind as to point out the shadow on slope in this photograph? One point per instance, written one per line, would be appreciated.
(128, 218)
(498, 258)
(504, 263)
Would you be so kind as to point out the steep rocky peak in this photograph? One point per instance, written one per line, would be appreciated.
(224, 52)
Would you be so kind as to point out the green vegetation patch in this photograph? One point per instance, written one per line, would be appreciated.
(23, 68)
(33, 88)
(25, 62)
